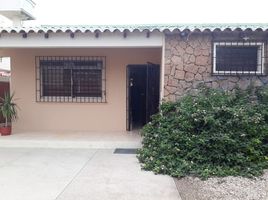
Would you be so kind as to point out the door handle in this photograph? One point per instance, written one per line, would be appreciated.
(131, 82)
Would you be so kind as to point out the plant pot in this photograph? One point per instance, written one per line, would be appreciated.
(5, 130)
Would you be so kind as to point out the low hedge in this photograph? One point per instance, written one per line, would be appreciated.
(211, 133)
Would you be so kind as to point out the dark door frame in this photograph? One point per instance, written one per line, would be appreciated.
(128, 99)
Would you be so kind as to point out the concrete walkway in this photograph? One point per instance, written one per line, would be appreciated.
(78, 174)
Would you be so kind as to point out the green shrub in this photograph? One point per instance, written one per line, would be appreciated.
(262, 94)
(212, 133)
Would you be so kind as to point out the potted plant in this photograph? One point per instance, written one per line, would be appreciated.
(9, 111)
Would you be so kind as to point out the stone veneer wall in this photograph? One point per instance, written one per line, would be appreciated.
(188, 62)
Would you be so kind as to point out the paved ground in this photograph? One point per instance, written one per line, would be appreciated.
(78, 174)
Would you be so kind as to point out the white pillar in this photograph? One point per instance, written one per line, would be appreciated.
(17, 21)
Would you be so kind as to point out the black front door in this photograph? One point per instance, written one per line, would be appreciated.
(143, 84)
(153, 90)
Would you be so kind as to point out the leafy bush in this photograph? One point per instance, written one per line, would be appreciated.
(212, 133)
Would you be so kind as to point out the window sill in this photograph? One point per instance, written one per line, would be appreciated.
(238, 74)
(67, 99)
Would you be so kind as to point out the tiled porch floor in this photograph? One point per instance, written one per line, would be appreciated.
(95, 140)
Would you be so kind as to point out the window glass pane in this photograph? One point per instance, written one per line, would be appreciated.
(87, 83)
(56, 81)
(236, 58)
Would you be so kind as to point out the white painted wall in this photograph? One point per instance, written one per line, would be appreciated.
(4, 21)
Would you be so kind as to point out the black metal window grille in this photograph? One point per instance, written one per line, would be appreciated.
(70, 79)
(238, 58)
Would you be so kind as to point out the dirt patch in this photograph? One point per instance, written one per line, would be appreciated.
(228, 188)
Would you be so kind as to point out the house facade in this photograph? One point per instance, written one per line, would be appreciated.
(113, 78)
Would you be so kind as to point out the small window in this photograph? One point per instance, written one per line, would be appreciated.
(238, 58)
(71, 79)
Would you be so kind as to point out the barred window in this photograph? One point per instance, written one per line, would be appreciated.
(238, 58)
(71, 79)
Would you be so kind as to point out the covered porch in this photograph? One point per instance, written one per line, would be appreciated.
(42, 109)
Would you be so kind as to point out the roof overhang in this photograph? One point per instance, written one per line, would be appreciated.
(81, 40)
(17, 9)
(140, 28)
(108, 36)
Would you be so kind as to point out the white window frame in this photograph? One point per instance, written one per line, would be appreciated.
(260, 61)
